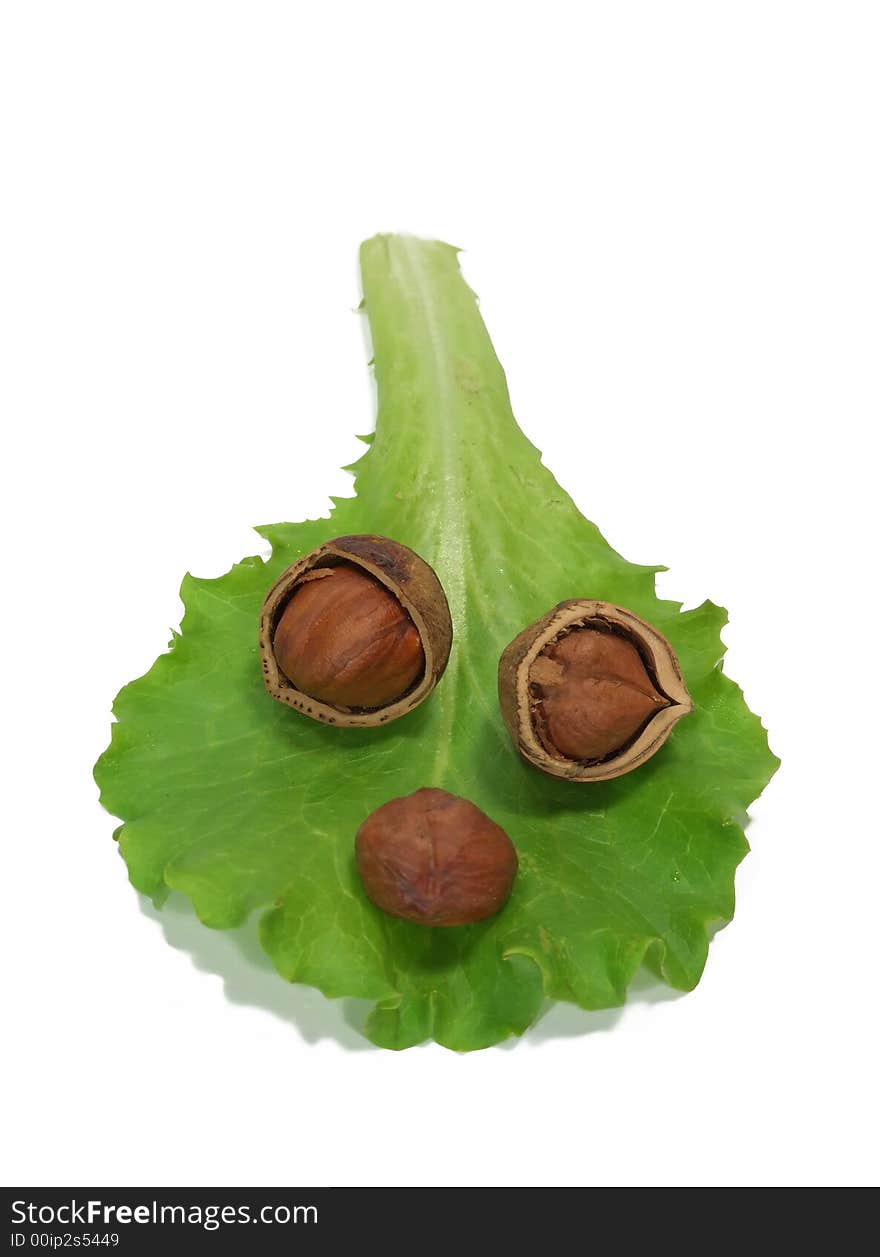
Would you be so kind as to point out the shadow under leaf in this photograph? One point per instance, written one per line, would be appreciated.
(250, 979)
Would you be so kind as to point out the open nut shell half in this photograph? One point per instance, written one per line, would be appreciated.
(518, 699)
(412, 582)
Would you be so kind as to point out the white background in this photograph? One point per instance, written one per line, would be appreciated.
(671, 214)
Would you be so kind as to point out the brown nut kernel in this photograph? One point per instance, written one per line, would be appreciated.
(435, 859)
(590, 691)
(356, 633)
(345, 639)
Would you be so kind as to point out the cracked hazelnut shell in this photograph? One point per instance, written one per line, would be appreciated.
(590, 691)
(356, 633)
(435, 859)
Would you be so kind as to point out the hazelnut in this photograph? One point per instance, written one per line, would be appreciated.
(345, 639)
(357, 632)
(435, 859)
(590, 691)
(593, 693)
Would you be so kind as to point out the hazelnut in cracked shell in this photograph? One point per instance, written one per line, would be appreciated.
(590, 691)
(345, 639)
(357, 632)
(435, 859)
(592, 694)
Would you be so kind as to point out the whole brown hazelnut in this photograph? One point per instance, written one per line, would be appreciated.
(435, 859)
(590, 691)
(357, 632)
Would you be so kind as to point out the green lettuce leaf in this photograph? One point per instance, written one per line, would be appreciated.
(243, 805)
